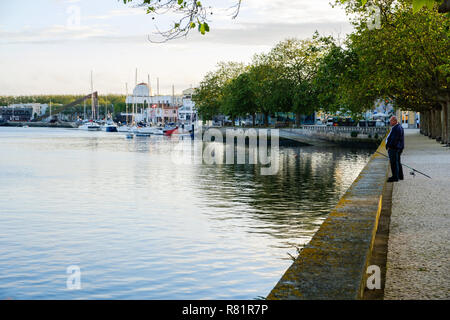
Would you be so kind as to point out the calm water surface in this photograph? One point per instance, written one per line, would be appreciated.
(140, 226)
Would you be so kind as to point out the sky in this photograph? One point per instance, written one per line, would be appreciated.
(51, 46)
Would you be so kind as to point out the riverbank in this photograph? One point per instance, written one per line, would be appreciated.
(39, 124)
(321, 136)
(419, 237)
(332, 266)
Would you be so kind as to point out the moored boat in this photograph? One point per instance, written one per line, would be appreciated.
(90, 126)
(110, 126)
(169, 131)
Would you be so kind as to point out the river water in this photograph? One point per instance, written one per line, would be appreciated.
(140, 226)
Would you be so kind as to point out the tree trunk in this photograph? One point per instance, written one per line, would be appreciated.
(254, 119)
(444, 123)
(430, 123)
(438, 125)
(422, 123)
(266, 119)
(433, 124)
(426, 128)
(447, 117)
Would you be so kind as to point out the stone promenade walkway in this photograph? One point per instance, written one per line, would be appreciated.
(418, 261)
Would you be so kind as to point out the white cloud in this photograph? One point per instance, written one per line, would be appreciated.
(112, 39)
(54, 34)
(283, 11)
(118, 13)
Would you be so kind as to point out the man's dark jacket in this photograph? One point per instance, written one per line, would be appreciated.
(396, 139)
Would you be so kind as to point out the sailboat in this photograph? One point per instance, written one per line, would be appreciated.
(109, 125)
(90, 125)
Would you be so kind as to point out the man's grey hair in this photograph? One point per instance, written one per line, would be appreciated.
(394, 118)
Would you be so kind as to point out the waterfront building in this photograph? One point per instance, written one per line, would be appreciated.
(22, 111)
(384, 109)
(408, 119)
(152, 108)
(16, 113)
(187, 113)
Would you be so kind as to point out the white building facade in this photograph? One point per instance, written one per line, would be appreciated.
(158, 109)
(187, 113)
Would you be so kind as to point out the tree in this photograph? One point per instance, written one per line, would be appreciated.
(362, 5)
(270, 90)
(407, 60)
(239, 99)
(208, 96)
(297, 62)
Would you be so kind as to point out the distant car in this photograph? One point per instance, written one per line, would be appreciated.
(330, 122)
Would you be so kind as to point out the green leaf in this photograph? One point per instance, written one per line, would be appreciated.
(419, 4)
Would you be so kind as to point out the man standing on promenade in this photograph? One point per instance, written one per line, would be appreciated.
(395, 142)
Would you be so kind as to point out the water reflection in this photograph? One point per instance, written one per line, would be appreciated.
(141, 227)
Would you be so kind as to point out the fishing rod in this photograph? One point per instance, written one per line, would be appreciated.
(413, 170)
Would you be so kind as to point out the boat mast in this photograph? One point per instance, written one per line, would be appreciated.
(126, 104)
(92, 99)
(134, 97)
(157, 86)
(173, 98)
(149, 98)
(150, 86)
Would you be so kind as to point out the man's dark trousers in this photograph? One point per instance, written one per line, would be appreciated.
(396, 166)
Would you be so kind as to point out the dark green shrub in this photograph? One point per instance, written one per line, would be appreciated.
(354, 134)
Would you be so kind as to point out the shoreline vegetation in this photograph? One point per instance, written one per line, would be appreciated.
(403, 60)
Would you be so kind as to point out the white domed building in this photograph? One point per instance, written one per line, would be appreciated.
(150, 108)
(141, 95)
